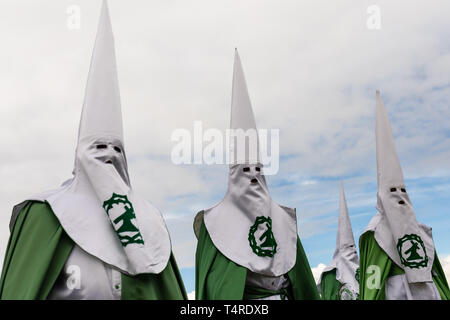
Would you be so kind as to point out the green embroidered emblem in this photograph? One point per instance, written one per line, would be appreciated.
(266, 245)
(411, 250)
(345, 294)
(357, 275)
(126, 230)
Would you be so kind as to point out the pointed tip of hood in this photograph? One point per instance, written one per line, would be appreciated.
(101, 113)
(389, 171)
(242, 116)
(345, 233)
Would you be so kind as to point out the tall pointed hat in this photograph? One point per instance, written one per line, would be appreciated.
(102, 113)
(345, 258)
(408, 243)
(242, 119)
(344, 237)
(247, 226)
(97, 208)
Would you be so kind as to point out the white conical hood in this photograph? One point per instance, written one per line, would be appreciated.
(102, 113)
(98, 208)
(247, 226)
(399, 234)
(242, 117)
(345, 258)
(389, 171)
(345, 234)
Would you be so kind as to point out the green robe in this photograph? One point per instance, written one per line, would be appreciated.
(37, 251)
(329, 286)
(371, 254)
(218, 278)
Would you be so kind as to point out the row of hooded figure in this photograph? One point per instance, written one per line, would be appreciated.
(98, 226)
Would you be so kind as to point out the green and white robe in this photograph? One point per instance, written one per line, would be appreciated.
(219, 278)
(382, 279)
(37, 253)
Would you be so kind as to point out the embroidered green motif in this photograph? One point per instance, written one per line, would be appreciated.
(266, 246)
(126, 230)
(345, 294)
(414, 255)
(357, 275)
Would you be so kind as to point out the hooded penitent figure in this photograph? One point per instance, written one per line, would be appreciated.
(94, 237)
(398, 258)
(339, 280)
(248, 246)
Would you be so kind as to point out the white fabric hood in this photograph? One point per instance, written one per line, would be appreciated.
(247, 226)
(98, 208)
(397, 231)
(345, 258)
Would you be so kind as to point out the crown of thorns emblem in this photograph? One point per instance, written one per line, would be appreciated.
(268, 245)
(126, 230)
(411, 257)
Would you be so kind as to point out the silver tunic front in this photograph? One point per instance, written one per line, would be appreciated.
(85, 277)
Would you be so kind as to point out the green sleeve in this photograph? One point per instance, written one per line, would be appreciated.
(216, 277)
(301, 277)
(330, 286)
(167, 285)
(375, 267)
(36, 253)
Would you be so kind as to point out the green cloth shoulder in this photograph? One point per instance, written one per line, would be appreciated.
(330, 286)
(303, 284)
(218, 278)
(37, 250)
(376, 267)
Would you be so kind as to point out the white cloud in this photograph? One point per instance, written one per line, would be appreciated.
(317, 271)
(191, 295)
(445, 262)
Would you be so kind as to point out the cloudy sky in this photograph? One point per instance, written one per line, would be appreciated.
(312, 68)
